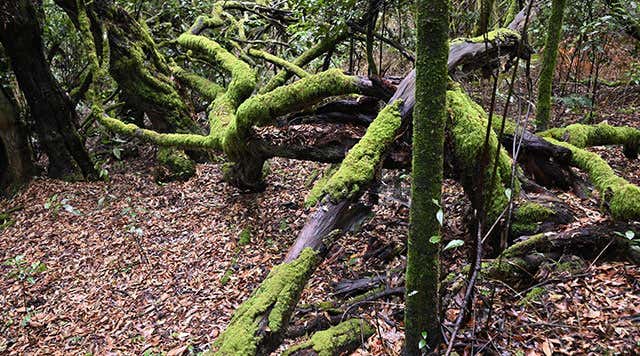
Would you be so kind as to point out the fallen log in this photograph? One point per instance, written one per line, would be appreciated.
(337, 340)
(518, 263)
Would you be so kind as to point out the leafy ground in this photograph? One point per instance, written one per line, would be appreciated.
(133, 266)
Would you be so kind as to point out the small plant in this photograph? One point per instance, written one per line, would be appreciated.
(54, 205)
(422, 344)
(23, 271)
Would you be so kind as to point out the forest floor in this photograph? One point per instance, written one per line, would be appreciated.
(137, 267)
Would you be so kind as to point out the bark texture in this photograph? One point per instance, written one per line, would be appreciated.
(51, 108)
(545, 84)
(16, 165)
(429, 120)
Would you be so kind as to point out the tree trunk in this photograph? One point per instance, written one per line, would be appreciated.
(545, 84)
(485, 7)
(16, 166)
(51, 109)
(429, 121)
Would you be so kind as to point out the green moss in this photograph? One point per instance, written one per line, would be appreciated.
(582, 136)
(305, 58)
(622, 196)
(5, 221)
(510, 270)
(337, 339)
(194, 141)
(180, 165)
(527, 217)
(524, 247)
(226, 277)
(245, 237)
(316, 192)
(498, 35)
(274, 300)
(204, 86)
(534, 295)
(262, 109)
(512, 11)
(468, 123)
(243, 78)
(280, 62)
(545, 83)
(359, 166)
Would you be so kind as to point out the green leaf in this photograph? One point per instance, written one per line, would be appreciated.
(629, 235)
(116, 153)
(422, 344)
(440, 217)
(435, 239)
(424, 334)
(453, 244)
(507, 192)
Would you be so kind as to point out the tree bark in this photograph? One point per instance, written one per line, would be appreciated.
(51, 109)
(429, 120)
(545, 84)
(16, 165)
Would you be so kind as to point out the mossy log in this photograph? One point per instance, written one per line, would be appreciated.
(583, 136)
(542, 214)
(337, 340)
(619, 196)
(520, 261)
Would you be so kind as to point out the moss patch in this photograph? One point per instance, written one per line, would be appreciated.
(532, 296)
(527, 217)
(245, 237)
(336, 339)
(359, 166)
(603, 134)
(180, 165)
(274, 300)
(623, 197)
(498, 35)
(468, 124)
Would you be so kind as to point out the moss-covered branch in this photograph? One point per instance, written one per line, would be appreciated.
(622, 197)
(186, 141)
(337, 340)
(468, 125)
(203, 86)
(279, 62)
(258, 323)
(583, 136)
(360, 165)
(243, 77)
(305, 58)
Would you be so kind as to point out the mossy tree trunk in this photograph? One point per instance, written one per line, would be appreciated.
(51, 109)
(485, 7)
(16, 165)
(429, 120)
(545, 83)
